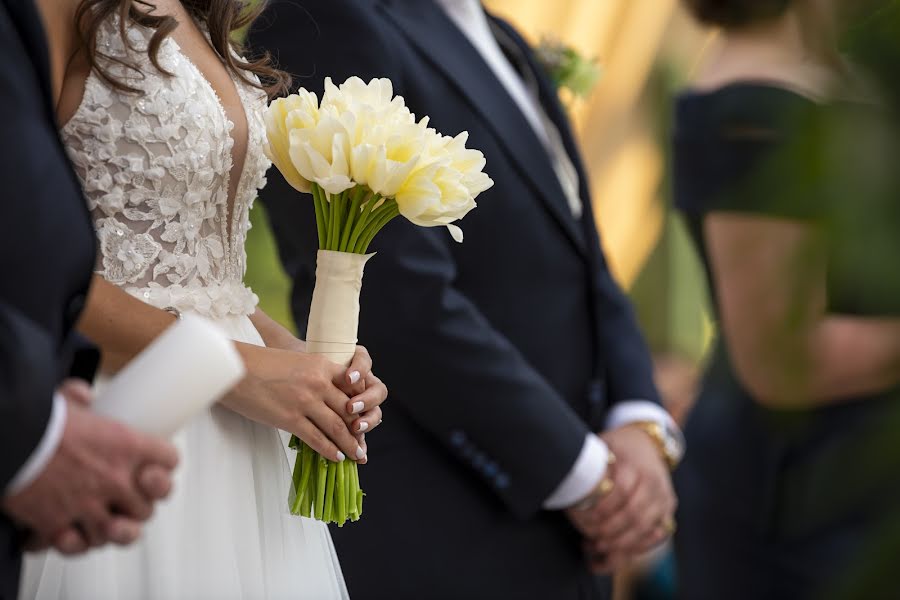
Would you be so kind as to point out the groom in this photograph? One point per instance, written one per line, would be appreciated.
(505, 354)
(68, 478)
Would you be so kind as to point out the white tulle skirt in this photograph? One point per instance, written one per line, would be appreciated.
(225, 533)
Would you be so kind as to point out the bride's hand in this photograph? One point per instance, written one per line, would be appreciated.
(367, 394)
(365, 391)
(301, 394)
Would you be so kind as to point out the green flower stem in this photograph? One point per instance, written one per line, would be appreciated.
(353, 475)
(378, 223)
(340, 494)
(296, 485)
(326, 212)
(321, 219)
(325, 490)
(353, 216)
(370, 201)
(309, 462)
(345, 497)
(321, 480)
(329, 215)
(329, 493)
(302, 473)
(372, 223)
(335, 222)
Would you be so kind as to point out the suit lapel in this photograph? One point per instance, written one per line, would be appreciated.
(437, 37)
(555, 111)
(549, 99)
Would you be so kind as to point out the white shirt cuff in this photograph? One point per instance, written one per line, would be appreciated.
(632, 411)
(44, 451)
(589, 469)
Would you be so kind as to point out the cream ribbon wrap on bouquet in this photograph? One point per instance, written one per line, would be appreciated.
(334, 314)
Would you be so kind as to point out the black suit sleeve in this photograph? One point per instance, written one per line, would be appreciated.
(439, 348)
(27, 380)
(430, 342)
(629, 366)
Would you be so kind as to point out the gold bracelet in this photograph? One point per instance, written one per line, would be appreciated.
(656, 433)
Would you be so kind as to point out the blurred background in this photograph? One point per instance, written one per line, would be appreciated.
(646, 50)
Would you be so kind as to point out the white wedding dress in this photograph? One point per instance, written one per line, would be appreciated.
(155, 168)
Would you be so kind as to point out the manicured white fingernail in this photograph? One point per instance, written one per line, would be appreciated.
(358, 407)
(360, 453)
(363, 425)
(354, 376)
(340, 456)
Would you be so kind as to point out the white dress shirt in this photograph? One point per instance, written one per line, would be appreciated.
(44, 451)
(590, 466)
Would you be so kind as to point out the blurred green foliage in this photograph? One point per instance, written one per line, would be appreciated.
(670, 294)
(264, 273)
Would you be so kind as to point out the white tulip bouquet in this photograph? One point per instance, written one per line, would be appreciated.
(365, 160)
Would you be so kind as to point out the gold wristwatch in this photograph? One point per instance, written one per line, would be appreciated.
(668, 439)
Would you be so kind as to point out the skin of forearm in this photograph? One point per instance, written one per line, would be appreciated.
(122, 326)
(274, 334)
(855, 356)
(838, 359)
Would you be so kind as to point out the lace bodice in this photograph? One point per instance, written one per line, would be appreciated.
(155, 168)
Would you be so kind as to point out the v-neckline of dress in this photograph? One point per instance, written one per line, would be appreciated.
(231, 211)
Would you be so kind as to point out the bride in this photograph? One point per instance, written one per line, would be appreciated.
(163, 122)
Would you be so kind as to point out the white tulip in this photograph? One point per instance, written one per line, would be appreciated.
(361, 134)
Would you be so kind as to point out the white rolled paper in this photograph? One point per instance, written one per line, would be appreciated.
(334, 314)
(184, 371)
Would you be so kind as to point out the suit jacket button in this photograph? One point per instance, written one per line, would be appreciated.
(457, 438)
(596, 393)
(468, 451)
(480, 461)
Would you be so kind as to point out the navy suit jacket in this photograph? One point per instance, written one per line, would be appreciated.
(46, 256)
(501, 353)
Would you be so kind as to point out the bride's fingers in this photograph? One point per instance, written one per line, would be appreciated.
(355, 377)
(337, 431)
(374, 395)
(367, 421)
(317, 440)
(361, 438)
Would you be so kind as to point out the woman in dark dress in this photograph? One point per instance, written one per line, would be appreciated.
(783, 170)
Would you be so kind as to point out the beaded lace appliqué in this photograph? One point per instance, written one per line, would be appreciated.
(155, 168)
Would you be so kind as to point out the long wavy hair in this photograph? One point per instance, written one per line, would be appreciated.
(221, 18)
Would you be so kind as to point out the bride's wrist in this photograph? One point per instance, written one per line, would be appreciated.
(297, 345)
(250, 355)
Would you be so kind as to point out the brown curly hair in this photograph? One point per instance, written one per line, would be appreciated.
(221, 18)
(736, 13)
